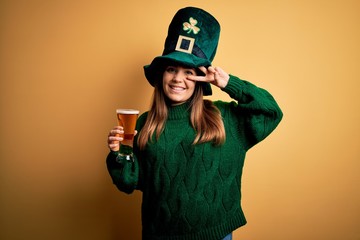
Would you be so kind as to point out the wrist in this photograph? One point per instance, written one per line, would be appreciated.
(225, 82)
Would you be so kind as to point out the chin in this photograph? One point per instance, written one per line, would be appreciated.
(173, 101)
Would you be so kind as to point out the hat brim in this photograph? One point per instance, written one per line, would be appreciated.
(157, 66)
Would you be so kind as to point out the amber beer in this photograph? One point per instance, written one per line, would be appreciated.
(127, 119)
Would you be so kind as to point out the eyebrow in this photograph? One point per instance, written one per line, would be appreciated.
(188, 68)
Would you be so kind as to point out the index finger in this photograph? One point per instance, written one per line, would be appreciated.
(199, 78)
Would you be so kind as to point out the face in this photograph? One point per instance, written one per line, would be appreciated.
(176, 87)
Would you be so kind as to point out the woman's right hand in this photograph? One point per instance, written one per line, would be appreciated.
(114, 138)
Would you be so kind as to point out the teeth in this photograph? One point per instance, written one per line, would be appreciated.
(177, 88)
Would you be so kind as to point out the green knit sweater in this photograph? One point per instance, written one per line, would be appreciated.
(193, 192)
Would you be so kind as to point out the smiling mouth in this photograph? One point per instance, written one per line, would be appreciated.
(177, 88)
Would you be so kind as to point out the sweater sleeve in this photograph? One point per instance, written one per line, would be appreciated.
(257, 112)
(124, 173)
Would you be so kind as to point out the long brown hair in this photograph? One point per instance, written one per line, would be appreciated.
(205, 118)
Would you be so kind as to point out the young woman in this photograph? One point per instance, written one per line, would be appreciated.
(189, 152)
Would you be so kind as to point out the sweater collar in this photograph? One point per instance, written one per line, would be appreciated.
(179, 111)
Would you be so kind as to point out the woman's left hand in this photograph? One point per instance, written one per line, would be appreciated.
(214, 75)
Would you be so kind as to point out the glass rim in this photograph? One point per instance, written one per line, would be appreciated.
(127, 111)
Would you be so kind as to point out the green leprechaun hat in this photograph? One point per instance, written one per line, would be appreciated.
(192, 40)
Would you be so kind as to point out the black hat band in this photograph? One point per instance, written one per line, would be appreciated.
(187, 45)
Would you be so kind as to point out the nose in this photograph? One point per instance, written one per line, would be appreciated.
(178, 76)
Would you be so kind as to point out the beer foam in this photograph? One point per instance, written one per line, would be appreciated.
(127, 111)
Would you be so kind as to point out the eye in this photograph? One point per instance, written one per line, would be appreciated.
(189, 72)
(170, 69)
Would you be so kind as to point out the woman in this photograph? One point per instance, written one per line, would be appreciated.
(189, 153)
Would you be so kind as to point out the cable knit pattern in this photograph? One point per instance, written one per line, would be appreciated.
(192, 192)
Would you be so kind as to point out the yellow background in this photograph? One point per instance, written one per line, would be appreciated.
(65, 66)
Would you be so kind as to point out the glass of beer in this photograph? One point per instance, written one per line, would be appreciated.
(127, 119)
